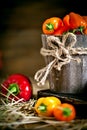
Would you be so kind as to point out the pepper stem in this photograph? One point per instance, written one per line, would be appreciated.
(13, 89)
(42, 107)
(67, 111)
(79, 29)
(49, 26)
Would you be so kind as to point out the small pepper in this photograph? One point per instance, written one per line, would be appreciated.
(44, 106)
(50, 25)
(60, 31)
(64, 112)
(76, 21)
(19, 85)
(66, 22)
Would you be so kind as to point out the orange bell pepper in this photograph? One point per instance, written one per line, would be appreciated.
(50, 25)
(64, 112)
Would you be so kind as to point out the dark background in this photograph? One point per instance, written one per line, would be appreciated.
(20, 31)
(7, 7)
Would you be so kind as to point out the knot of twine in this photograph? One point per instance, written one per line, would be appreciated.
(61, 51)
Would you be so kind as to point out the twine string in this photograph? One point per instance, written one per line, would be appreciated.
(61, 50)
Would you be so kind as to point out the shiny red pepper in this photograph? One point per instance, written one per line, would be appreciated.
(66, 22)
(19, 85)
(60, 31)
(76, 20)
(75, 23)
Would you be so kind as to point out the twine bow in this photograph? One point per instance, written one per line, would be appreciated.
(61, 51)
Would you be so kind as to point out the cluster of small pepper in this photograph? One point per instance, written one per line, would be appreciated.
(72, 22)
(52, 106)
(18, 86)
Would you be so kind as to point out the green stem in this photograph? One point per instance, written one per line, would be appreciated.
(13, 89)
(79, 29)
(49, 26)
(42, 107)
(66, 111)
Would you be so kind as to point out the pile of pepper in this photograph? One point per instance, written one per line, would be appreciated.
(18, 86)
(72, 22)
(52, 106)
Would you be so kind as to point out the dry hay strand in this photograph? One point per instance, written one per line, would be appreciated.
(20, 114)
(16, 114)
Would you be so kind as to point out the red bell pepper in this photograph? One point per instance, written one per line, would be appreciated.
(60, 31)
(18, 86)
(66, 22)
(76, 21)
